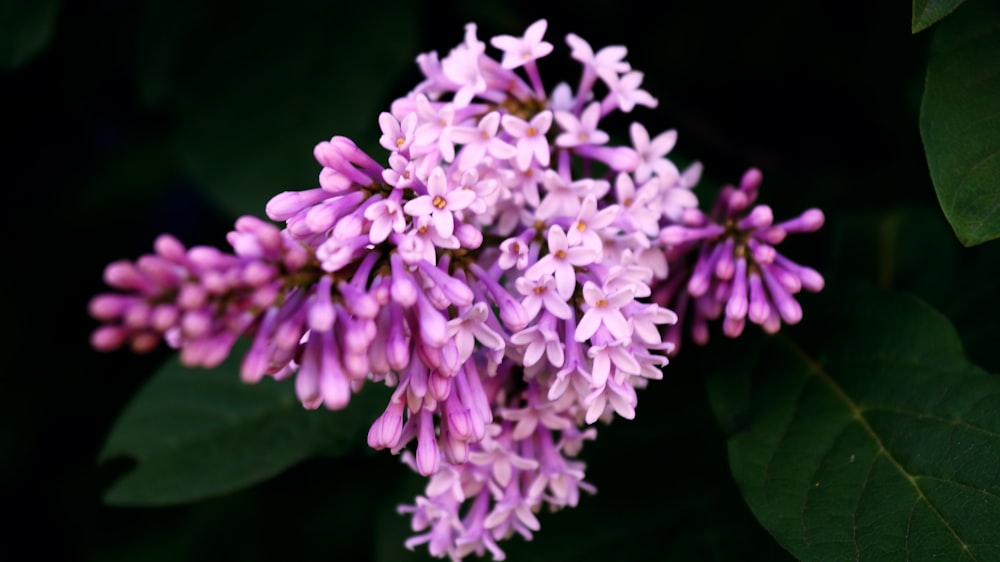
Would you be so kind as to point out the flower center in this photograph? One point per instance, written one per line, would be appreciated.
(439, 202)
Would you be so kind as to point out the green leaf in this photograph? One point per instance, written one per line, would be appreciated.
(928, 12)
(197, 434)
(960, 121)
(25, 29)
(884, 446)
(255, 92)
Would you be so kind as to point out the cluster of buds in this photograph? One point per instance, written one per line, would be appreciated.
(726, 261)
(500, 272)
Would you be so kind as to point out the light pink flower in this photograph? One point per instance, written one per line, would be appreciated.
(397, 136)
(470, 327)
(626, 91)
(519, 50)
(652, 152)
(539, 340)
(582, 129)
(586, 229)
(607, 61)
(604, 309)
(530, 135)
(539, 293)
(386, 217)
(480, 140)
(440, 203)
(560, 262)
(461, 67)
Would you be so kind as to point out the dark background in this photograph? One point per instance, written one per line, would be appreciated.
(135, 118)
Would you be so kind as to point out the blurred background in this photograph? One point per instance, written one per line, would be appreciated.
(123, 120)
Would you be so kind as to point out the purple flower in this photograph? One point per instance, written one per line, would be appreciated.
(507, 282)
(727, 265)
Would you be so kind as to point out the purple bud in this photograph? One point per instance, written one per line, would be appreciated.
(735, 201)
(331, 155)
(415, 376)
(701, 277)
(759, 308)
(388, 428)
(170, 248)
(109, 306)
(809, 221)
(431, 323)
(784, 302)
(810, 278)
(206, 257)
(334, 384)
(451, 361)
(429, 357)
(360, 303)
(397, 345)
(377, 359)
(123, 274)
(762, 253)
(284, 206)
(108, 338)
(726, 266)
(355, 364)
(468, 236)
(163, 317)
(455, 291)
(733, 327)
(773, 235)
(736, 308)
(513, 315)
(699, 329)
(289, 331)
(332, 181)
(322, 313)
(473, 397)
(676, 234)
(750, 183)
(456, 450)
(404, 288)
(336, 253)
(307, 380)
(761, 216)
(438, 386)
(144, 342)
(428, 456)
(788, 280)
(458, 417)
(258, 273)
(265, 296)
(255, 362)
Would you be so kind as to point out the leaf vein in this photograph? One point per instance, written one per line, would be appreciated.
(820, 372)
(959, 485)
(932, 417)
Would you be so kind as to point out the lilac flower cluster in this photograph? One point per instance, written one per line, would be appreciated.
(726, 262)
(505, 272)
